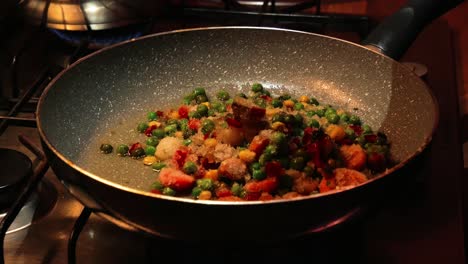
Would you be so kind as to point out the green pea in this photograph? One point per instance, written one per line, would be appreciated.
(344, 118)
(361, 140)
(142, 127)
(157, 166)
(257, 87)
(354, 120)
(196, 191)
(278, 117)
(271, 150)
(264, 158)
(152, 116)
(333, 118)
(172, 122)
(187, 142)
(366, 129)
(202, 110)
(152, 141)
(211, 112)
(236, 189)
(223, 95)
(297, 163)
(158, 133)
(170, 129)
(198, 91)
(298, 106)
(260, 102)
(309, 171)
(194, 114)
(311, 113)
(122, 150)
(150, 150)
(258, 175)
(298, 119)
(106, 148)
(190, 167)
(183, 124)
(320, 112)
(313, 101)
(138, 153)
(350, 133)
(284, 97)
(189, 98)
(286, 181)
(157, 185)
(205, 184)
(207, 126)
(313, 123)
(168, 191)
(256, 166)
(289, 119)
(278, 138)
(276, 103)
(242, 95)
(201, 99)
(329, 111)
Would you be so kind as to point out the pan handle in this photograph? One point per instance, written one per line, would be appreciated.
(395, 34)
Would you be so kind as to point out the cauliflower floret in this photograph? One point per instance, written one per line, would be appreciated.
(167, 147)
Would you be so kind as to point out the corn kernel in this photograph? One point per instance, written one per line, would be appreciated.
(247, 155)
(210, 142)
(335, 132)
(179, 134)
(148, 160)
(207, 104)
(304, 99)
(174, 115)
(154, 123)
(278, 126)
(288, 103)
(211, 174)
(204, 195)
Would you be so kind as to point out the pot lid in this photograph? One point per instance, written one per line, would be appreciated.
(90, 14)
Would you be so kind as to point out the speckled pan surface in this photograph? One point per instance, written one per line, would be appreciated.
(113, 90)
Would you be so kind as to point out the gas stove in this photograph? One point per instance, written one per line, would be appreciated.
(420, 222)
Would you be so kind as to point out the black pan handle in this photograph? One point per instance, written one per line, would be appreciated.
(396, 33)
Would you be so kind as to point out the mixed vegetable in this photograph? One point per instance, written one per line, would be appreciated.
(255, 147)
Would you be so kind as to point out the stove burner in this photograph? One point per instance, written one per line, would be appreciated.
(101, 38)
(16, 169)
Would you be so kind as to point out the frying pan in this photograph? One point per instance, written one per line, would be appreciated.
(117, 84)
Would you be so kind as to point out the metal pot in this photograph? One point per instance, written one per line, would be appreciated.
(90, 14)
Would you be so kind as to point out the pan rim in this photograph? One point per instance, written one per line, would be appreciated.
(121, 187)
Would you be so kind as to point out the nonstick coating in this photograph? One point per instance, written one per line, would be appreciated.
(120, 84)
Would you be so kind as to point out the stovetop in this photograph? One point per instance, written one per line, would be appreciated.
(419, 221)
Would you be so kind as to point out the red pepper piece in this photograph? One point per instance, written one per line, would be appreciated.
(371, 138)
(179, 157)
(149, 130)
(266, 97)
(223, 192)
(194, 124)
(357, 129)
(376, 161)
(134, 146)
(183, 111)
(258, 144)
(257, 112)
(233, 122)
(266, 185)
(160, 113)
(273, 169)
(252, 196)
(156, 191)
